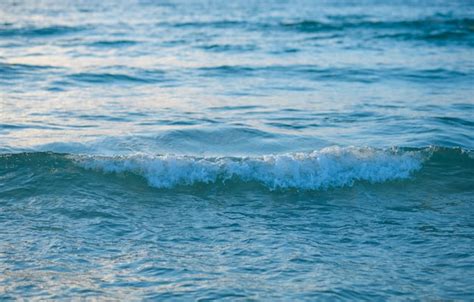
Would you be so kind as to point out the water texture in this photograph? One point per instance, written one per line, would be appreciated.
(237, 150)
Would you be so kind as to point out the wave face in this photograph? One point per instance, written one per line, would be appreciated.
(329, 167)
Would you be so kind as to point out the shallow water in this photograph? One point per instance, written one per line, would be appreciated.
(208, 150)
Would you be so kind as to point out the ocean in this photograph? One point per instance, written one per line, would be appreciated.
(237, 150)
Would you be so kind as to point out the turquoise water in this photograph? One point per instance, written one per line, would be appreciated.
(265, 150)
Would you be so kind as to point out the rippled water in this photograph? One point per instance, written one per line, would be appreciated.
(262, 150)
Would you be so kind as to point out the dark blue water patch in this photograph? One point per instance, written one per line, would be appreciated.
(370, 75)
(39, 32)
(468, 125)
(55, 88)
(113, 43)
(235, 108)
(442, 37)
(173, 43)
(137, 114)
(287, 50)
(167, 4)
(429, 108)
(218, 24)
(310, 26)
(435, 74)
(324, 36)
(429, 29)
(6, 24)
(463, 106)
(105, 78)
(438, 31)
(22, 75)
(227, 70)
(101, 117)
(347, 17)
(169, 122)
(7, 70)
(31, 125)
(384, 106)
(59, 86)
(434, 23)
(5, 128)
(346, 74)
(228, 48)
(294, 125)
(132, 77)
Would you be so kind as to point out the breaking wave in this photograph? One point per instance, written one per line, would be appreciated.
(329, 167)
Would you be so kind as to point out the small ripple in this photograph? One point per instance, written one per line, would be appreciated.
(143, 77)
(463, 106)
(207, 24)
(310, 26)
(98, 117)
(29, 126)
(17, 69)
(293, 126)
(234, 108)
(433, 22)
(435, 37)
(113, 43)
(454, 121)
(347, 74)
(226, 70)
(38, 32)
(228, 48)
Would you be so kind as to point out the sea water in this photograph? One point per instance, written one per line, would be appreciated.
(240, 150)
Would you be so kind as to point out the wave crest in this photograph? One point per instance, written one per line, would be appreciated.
(326, 168)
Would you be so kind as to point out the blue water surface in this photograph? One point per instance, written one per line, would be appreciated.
(239, 150)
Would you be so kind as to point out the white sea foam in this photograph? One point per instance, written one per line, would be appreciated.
(329, 167)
